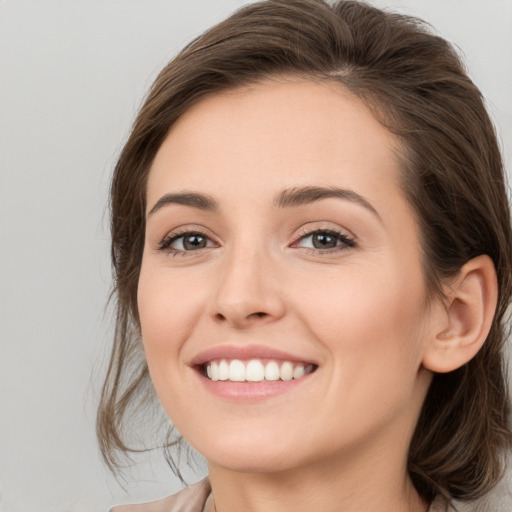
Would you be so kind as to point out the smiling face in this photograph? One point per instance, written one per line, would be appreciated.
(282, 255)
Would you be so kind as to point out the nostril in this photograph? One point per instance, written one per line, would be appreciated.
(242, 318)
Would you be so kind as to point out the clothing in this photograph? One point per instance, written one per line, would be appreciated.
(198, 498)
(194, 498)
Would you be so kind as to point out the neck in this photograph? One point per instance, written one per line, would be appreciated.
(367, 475)
(374, 487)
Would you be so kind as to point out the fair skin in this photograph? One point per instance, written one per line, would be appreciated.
(331, 280)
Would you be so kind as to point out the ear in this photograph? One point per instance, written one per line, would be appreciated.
(467, 318)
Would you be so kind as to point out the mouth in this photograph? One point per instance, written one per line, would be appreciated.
(254, 370)
(248, 373)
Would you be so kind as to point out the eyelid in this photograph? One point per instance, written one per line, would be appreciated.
(182, 231)
(348, 239)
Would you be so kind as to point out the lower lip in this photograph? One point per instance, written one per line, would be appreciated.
(251, 391)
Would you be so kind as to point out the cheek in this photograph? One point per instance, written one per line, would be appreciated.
(374, 332)
(371, 319)
(168, 311)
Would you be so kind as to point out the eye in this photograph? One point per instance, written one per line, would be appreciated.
(187, 241)
(325, 240)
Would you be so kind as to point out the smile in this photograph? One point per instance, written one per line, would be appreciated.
(255, 370)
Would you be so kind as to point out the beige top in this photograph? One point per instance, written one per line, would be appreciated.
(198, 498)
(194, 498)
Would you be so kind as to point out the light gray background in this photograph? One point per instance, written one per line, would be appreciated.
(72, 74)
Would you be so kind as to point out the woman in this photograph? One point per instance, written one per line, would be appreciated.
(312, 250)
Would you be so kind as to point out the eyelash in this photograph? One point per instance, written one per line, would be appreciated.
(346, 241)
(165, 244)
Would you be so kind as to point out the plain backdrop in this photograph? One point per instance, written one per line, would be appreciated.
(72, 75)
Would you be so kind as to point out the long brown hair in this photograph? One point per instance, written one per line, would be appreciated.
(415, 84)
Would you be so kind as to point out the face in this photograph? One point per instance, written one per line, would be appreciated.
(281, 294)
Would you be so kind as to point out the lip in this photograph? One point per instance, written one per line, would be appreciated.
(247, 352)
(248, 391)
(251, 391)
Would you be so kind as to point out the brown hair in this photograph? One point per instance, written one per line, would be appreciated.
(453, 176)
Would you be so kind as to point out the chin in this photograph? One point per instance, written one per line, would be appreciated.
(252, 463)
(250, 457)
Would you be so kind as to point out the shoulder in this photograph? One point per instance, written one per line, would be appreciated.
(190, 499)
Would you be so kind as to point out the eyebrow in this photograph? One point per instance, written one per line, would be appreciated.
(291, 197)
(193, 199)
(298, 196)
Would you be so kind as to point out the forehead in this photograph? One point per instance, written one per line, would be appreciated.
(276, 134)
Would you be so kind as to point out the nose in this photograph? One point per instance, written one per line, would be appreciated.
(248, 291)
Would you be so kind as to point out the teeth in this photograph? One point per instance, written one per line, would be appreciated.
(223, 370)
(272, 371)
(255, 370)
(299, 372)
(286, 372)
(214, 371)
(236, 371)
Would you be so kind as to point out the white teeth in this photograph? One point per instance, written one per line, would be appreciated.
(214, 370)
(236, 371)
(255, 370)
(299, 371)
(271, 371)
(286, 371)
(223, 370)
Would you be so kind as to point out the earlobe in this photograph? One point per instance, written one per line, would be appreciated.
(468, 316)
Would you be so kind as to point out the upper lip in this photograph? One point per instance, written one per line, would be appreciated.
(246, 352)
